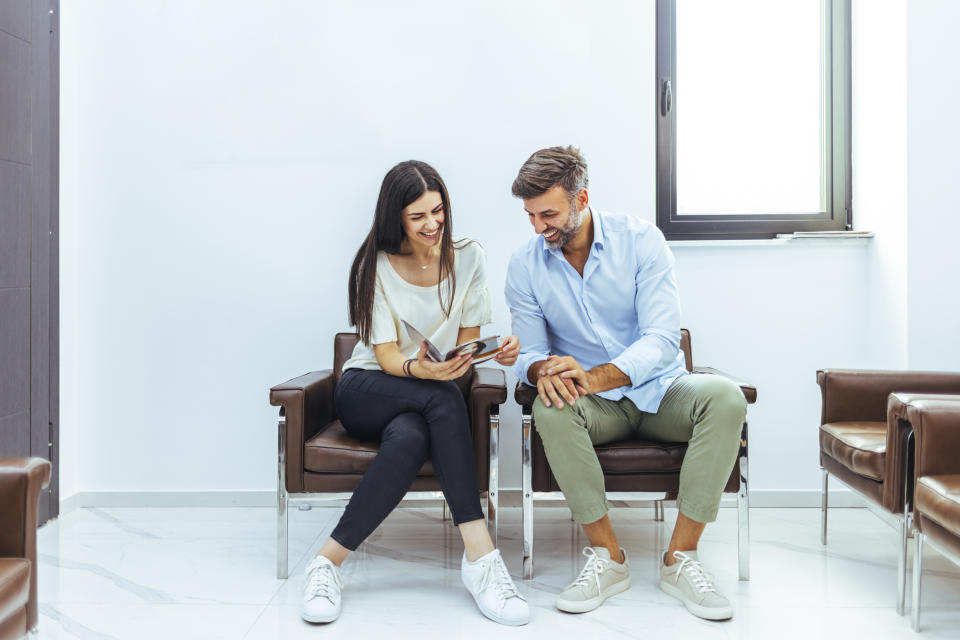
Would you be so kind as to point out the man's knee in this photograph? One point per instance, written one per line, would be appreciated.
(726, 403)
(551, 422)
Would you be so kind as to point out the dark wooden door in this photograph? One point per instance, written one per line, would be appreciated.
(29, 282)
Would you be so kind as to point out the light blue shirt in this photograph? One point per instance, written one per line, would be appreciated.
(625, 310)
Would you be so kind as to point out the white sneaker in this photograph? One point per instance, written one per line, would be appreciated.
(600, 578)
(321, 594)
(686, 581)
(492, 588)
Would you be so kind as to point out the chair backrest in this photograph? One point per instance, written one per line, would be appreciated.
(687, 349)
(343, 345)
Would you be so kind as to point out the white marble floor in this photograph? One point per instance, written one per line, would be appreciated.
(209, 573)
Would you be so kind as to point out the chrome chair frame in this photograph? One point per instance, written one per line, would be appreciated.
(285, 499)
(919, 540)
(529, 496)
(901, 523)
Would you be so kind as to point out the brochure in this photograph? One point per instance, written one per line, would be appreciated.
(482, 349)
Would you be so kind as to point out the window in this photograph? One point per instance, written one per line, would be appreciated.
(753, 117)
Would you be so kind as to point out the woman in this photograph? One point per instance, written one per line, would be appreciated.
(409, 268)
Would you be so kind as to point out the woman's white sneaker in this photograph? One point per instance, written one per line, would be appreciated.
(492, 588)
(321, 594)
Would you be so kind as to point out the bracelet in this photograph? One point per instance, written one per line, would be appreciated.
(408, 368)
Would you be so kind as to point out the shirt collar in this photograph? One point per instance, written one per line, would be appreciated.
(598, 236)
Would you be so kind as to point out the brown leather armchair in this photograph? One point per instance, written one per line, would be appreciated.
(318, 460)
(863, 447)
(632, 469)
(934, 421)
(21, 480)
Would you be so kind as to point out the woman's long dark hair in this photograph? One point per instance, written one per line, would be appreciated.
(402, 185)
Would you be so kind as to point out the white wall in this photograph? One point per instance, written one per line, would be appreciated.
(933, 191)
(223, 161)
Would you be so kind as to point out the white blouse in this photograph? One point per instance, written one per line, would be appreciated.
(395, 299)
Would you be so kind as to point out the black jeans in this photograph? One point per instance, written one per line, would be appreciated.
(414, 420)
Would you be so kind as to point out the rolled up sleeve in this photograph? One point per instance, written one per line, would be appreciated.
(657, 304)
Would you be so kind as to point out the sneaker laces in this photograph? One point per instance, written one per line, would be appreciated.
(323, 578)
(592, 570)
(691, 568)
(495, 575)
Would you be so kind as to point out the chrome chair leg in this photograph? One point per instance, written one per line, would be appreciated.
(906, 525)
(658, 511)
(527, 499)
(825, 475)
(743, 509)
(918, 539)
(282, 498)
(493, 489)
(446, 512)
(902, 566)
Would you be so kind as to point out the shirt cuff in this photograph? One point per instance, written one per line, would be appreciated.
(522, 365)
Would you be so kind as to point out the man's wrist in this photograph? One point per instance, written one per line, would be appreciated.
(533, 372)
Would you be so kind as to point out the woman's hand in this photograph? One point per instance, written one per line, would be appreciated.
(511, 349)
(451, 369)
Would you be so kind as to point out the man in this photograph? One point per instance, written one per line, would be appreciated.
(594, 302)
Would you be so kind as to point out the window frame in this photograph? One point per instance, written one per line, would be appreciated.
(836, 168)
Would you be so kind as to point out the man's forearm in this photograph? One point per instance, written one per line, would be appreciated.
(605, 377)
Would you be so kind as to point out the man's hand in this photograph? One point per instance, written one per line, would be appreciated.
(555, 389)
(569, 370)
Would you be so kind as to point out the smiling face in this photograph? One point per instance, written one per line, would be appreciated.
(555, 216)
(423, 220)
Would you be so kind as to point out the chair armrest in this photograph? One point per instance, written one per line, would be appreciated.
(489, 386)
(526, 394)
(853, 395)
(487, 391)
(749, 390)
(935, 420)
(307, 403)
(21, 480)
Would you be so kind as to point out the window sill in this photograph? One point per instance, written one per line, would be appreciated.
(816, 238)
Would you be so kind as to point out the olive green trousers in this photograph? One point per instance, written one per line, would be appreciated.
(706, 411)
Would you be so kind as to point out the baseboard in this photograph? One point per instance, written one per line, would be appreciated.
(83, 499)
(508, 498)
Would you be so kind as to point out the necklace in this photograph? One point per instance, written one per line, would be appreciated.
(424, 266)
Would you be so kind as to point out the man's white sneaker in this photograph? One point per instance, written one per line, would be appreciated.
(492, 588)
(600, 578)
(686, 581)
(321, 594)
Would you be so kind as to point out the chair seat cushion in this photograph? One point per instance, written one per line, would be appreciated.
(14, 585)
(641, 456)
(938, 498)
(859, 446)
(332, 450)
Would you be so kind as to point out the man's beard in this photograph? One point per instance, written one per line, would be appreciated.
(569, 230)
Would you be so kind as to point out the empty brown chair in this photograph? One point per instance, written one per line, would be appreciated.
(867, 452)
(318, 461)
(21, 480)
(632, 469)
(934, 421)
